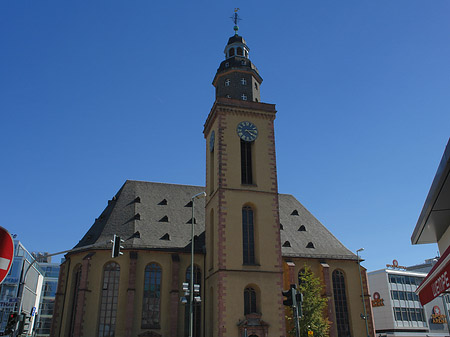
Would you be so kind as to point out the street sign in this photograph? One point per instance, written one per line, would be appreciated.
(6, 253)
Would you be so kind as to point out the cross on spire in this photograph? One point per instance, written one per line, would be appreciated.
(236, 19)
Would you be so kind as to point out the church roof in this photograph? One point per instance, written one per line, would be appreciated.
(162, 213)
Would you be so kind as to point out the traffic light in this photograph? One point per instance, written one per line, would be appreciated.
(299, 300)
(23, 323)
(116, 246)
(11, 324)
(288, 294)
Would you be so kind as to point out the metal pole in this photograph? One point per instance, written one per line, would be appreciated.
(362, 291)
(191, 286)
(295, 312)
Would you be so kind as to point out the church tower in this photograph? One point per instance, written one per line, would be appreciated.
(243, 252)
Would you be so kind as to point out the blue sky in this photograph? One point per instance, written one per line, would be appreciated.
(93, 93)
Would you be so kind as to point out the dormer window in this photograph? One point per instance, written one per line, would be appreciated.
(243, 63)
(227, 64)
(227, 82)
(243, 81)
(228, 96)
(240, 52)
(244, 97)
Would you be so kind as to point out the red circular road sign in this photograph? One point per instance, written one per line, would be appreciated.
(6, 253)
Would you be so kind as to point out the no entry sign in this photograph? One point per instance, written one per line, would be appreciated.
(6, 253)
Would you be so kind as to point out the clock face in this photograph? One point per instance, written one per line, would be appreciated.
(211, 141)
(247, 131)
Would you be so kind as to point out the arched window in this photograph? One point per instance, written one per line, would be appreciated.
(231, 52)
(151, 301)
(108, 301)
(197, 306)
(75, 287)
(340, 304)
(227, 82)
(246, 163)
(240, 51)
(250, 301)
(248, 237)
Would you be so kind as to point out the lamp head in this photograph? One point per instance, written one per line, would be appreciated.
(360, 250)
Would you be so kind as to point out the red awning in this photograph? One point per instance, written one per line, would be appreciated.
(437, 280)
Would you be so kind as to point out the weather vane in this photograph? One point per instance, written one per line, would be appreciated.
(235, 19)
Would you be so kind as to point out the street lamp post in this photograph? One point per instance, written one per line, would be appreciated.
(362, 291)
(191, 286)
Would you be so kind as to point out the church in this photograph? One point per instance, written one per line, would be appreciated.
(249, 241)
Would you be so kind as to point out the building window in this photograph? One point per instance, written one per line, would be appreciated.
(243, 62)
(197, 306)
(256, 86)
(244, 97)
(246, 163)
(340, 304)
(227, 64)
(227, 82)
(231, 52)
(109, 297)
(240, 51)
(248, 238)
(228, 96)
(243, 81)
(151, 302)
(249, 301)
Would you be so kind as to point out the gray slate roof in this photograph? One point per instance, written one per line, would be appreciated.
(161, 214)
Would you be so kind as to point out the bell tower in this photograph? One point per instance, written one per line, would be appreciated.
(243, 251)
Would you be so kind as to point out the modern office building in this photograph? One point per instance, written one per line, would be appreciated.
(396, 308)
(12, 297)
(47, 300)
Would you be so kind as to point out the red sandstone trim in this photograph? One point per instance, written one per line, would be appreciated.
(174, 297)
(82, 290)
(131, 292)
(59, 297)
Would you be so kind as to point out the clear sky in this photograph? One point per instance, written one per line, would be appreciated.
(93, 93)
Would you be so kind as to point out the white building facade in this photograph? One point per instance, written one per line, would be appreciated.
(397, 310)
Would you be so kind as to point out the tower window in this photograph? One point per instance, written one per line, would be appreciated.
(249, 301)
(256, 86)
(227, 82)
(231, 52)
(243, 62)
(248, 237)
(227, 64)
(246, 163)
(244, 97)
(240, 51)
(243, 81)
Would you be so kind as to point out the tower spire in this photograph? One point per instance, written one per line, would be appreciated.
(236, 19)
